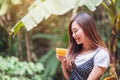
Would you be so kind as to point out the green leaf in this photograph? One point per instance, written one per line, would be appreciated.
(50, 62)
(16, 2)
(1, 1)
(91, 4)
(3, 7)
(39, 67)
(16, 28)
(42, 10)
(110, 12)
(51, 66)
(106, 6)
(76, 7)
(46, 36)
(12, 69)
(46, 57)
(29, 71)
(54, 65)
(58, 7)
(118, 6)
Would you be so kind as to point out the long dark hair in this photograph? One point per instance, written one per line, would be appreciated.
(87, 23)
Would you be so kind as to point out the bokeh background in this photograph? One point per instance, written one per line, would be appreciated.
(30, 55)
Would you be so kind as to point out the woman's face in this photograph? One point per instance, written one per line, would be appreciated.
(77, 33)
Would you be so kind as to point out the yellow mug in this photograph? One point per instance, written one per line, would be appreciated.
(61, 51)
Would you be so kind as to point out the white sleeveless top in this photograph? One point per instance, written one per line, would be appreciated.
(101, 58)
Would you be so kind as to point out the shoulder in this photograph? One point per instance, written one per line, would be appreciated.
(102, 52)
(102, 57)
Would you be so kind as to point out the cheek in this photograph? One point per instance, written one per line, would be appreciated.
(80, 34)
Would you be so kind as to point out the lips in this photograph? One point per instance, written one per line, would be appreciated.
(76, 39)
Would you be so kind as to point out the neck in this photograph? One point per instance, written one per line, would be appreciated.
(86, 46)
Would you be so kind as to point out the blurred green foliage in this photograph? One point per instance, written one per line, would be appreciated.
(45, 38)
(13, 69)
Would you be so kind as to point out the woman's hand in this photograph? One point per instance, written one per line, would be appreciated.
(62, 59)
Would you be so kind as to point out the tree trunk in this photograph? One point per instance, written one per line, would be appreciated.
(27, 46)
(113, 47)
(20, 46)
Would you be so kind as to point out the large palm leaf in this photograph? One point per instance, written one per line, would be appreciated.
(39, 11)
(4, 5)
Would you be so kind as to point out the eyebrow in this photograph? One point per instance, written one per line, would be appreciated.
(73, 29)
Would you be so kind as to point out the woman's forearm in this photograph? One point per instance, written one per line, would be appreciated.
(95, 76)
(65, 72)
(64, 68)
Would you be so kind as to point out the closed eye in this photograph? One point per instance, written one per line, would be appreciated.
(75, 31)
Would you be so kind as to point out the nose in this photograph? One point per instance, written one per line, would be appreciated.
(74, 35)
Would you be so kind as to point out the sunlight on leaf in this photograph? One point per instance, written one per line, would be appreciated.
(58, 7)
(16, 2)
(3, 7)
(16, 28)
(90, 4)
(35, 16)
(39, 10)
(29, 22)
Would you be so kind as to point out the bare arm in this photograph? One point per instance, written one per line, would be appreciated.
(65, 72)
(96, 73)
(64, 69)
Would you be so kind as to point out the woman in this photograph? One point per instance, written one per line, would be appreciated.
(88, 57)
